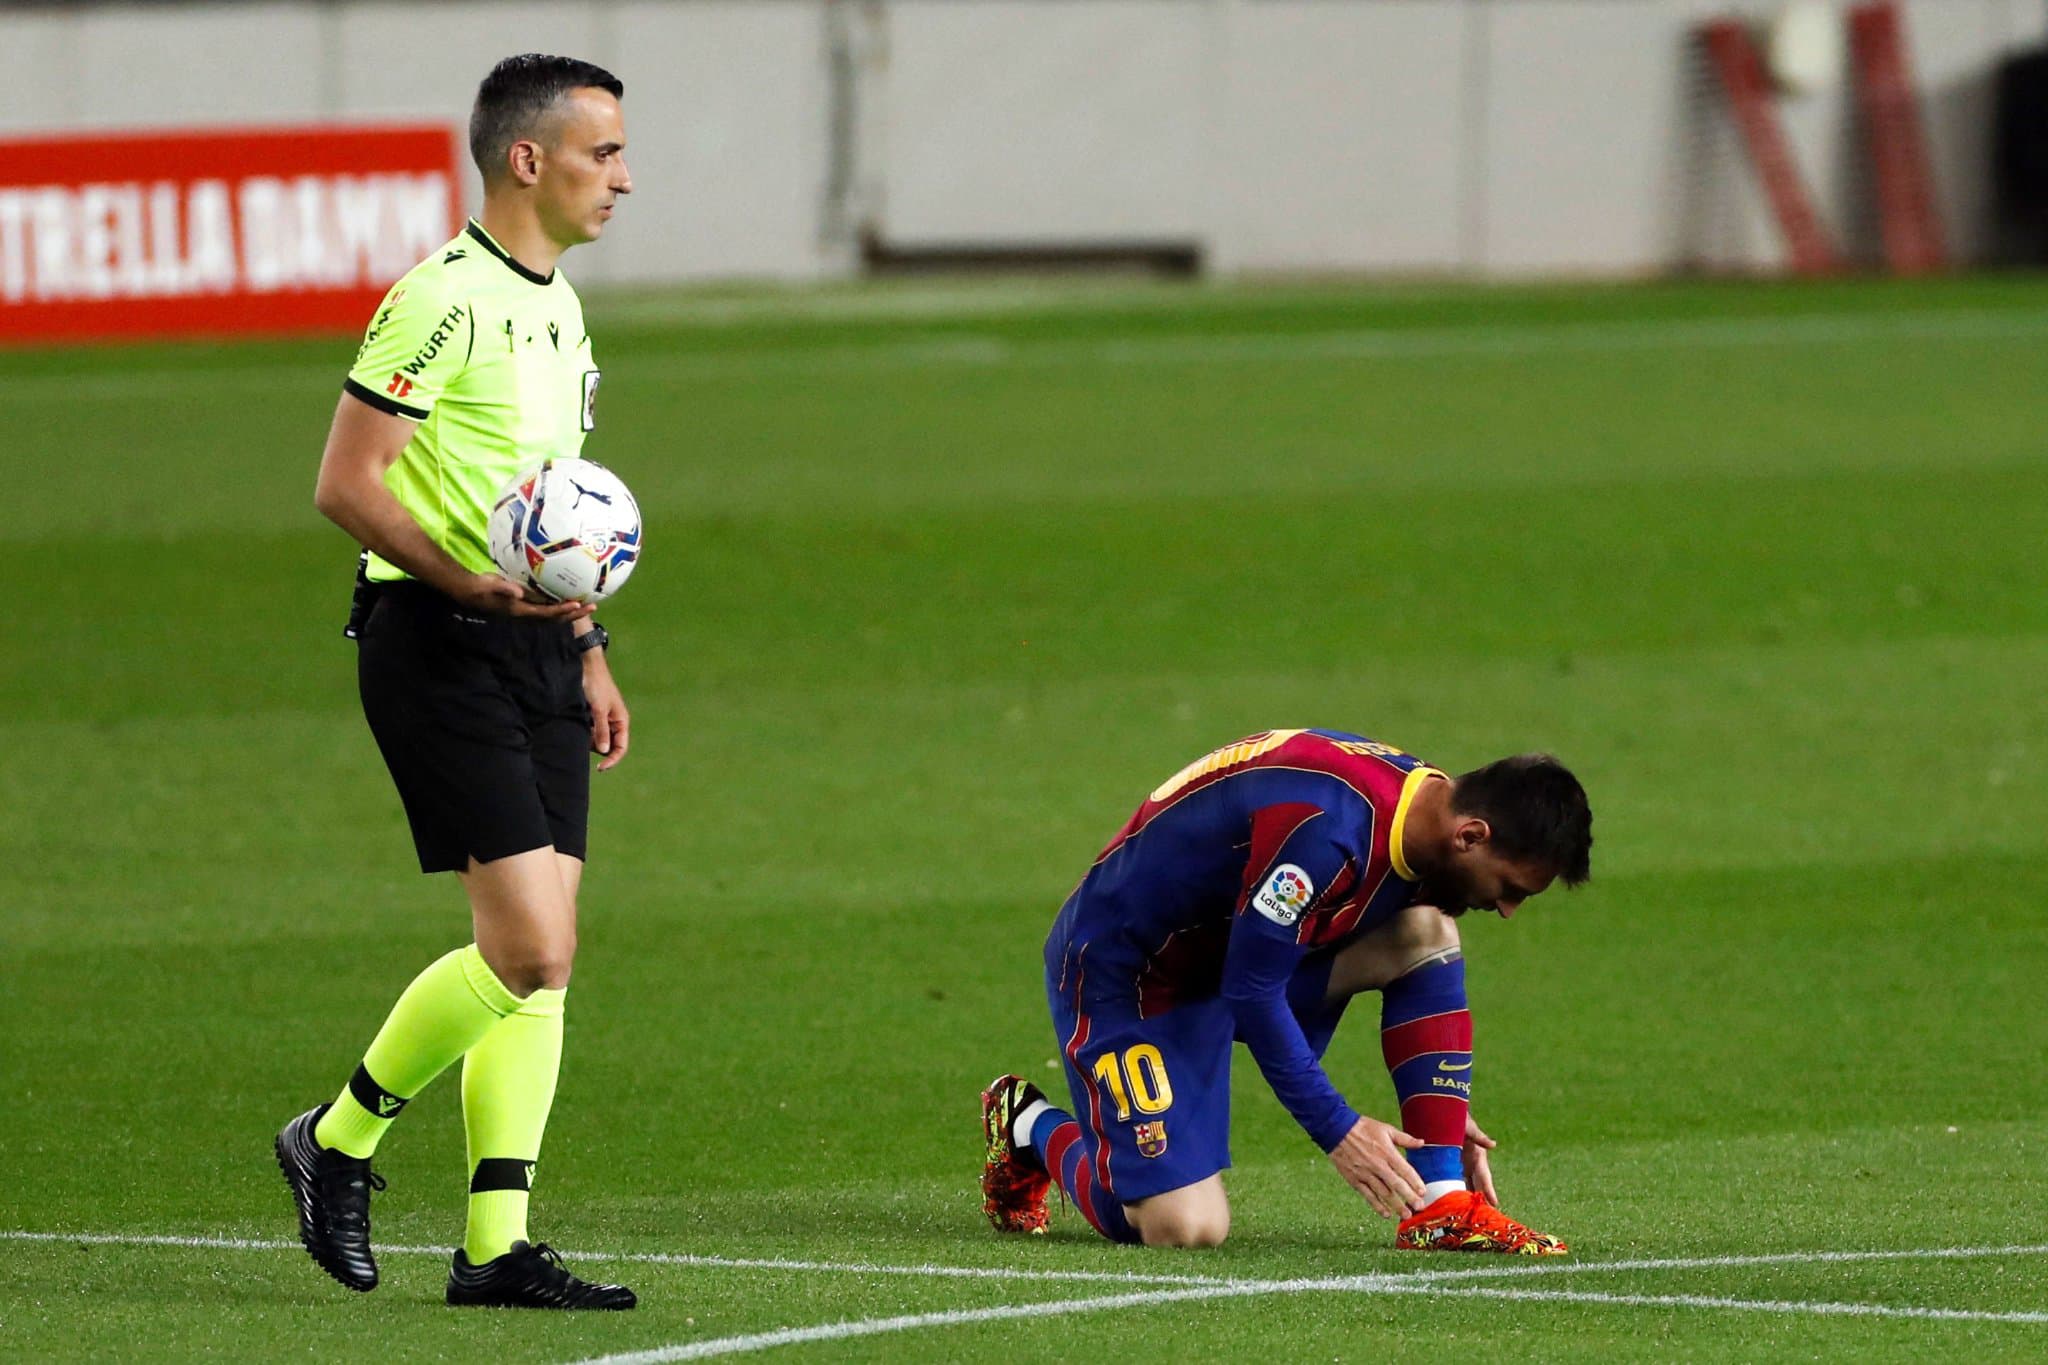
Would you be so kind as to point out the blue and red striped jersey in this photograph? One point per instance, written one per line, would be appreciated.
(1231, 872)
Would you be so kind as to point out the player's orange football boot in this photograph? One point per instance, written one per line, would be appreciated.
(1013, 1185)
(1466, 1220)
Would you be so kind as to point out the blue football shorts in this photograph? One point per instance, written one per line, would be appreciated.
(1152, 1095)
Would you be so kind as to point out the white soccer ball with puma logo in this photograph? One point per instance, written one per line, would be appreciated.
(568, 529)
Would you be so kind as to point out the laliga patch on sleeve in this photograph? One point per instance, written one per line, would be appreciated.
(1285, 895)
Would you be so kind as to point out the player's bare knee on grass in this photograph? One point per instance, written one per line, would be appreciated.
(1195, 1215)
(1185, 1229)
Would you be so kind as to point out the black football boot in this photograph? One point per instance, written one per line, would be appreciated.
(528, 1276)
(332, 1190)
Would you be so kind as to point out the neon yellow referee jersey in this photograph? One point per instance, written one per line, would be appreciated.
(492, 361)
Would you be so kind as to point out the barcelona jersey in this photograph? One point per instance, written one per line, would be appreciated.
(1232, 871)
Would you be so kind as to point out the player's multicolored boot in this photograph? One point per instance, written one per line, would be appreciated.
(1013, 1183)
(1466, 1220)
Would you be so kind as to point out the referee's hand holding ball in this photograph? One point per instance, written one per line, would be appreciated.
(496, 595)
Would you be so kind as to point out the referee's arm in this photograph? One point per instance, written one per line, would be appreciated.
(362, 445)
(609, 719)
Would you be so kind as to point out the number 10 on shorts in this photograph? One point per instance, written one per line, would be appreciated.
(1138, 1077)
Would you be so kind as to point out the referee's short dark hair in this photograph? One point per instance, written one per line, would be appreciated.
(1536, 809)
(516, 96)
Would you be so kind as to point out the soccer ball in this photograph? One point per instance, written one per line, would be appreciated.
(568, 529)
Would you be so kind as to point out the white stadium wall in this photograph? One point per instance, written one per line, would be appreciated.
(1025, 120)
(726, 99)
(1485, 137)
(1341, 137)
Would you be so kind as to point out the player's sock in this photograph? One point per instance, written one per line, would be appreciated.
(1426, 1038)
(1037, 1134)
(508, 1087)
(1020, 1129)
(1056, 1138)
(439, 1017)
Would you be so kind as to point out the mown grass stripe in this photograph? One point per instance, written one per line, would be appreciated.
(979, 351)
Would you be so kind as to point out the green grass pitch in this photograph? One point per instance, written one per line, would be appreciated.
(940, 581)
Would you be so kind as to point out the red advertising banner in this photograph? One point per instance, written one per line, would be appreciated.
(216, 231)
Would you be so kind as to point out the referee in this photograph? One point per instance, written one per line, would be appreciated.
(484, 704)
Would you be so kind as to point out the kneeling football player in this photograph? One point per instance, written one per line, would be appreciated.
(1251, 896)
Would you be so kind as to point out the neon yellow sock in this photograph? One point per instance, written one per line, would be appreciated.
(508, 1087)
(442, 1014)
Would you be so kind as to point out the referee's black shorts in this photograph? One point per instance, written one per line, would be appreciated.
(483, 724)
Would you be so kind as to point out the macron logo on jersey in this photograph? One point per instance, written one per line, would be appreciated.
(1285, 895)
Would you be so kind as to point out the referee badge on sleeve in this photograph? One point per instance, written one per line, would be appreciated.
(590, 378)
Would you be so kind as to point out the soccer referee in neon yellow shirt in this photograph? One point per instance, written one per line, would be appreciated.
(484, 704)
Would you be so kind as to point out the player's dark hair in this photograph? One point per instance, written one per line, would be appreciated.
(1536, 809)
(517, 95)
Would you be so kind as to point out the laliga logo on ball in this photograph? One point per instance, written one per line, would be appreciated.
(569, 529)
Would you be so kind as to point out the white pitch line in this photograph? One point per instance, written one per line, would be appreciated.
(868, 1327)
(1821, 1308)
(959, 1272)
(1442, 1283)
(1421, 1285)
(1762, 1258)
(1515, 1269)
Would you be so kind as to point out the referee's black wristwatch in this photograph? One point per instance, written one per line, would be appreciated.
(597, 637)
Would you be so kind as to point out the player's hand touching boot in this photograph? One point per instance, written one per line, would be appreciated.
(1371, 1159)
(1478, 1175)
